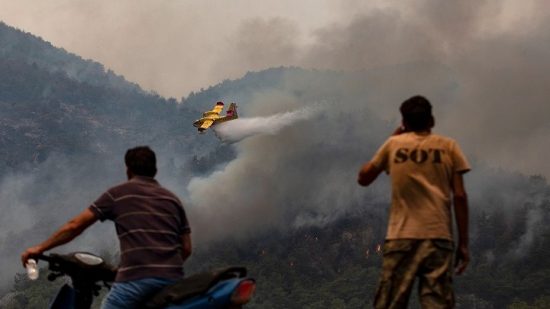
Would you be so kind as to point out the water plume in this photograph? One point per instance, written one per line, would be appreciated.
(241, 128)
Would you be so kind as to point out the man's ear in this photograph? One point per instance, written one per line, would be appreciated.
(432, 122)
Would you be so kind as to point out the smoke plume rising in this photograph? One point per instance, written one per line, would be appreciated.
(483, 65)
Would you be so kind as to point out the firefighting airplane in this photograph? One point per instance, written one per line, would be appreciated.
(212, 117)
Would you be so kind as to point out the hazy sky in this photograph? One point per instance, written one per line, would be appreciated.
(177, 46)
(170, 46)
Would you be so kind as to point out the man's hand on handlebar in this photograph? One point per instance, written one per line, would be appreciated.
(29, 253)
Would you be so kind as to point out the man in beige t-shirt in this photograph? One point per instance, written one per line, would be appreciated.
(426, 174)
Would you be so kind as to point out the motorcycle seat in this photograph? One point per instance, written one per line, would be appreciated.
(193, 285)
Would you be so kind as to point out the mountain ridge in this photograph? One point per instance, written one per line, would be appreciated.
(17, 44)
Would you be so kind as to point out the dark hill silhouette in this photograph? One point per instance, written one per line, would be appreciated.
(19, 45)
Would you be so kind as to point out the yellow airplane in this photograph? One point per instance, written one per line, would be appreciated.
(212, 117)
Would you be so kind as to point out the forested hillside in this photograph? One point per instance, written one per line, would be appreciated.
(291, 212)
(53, 101)
(20, 46)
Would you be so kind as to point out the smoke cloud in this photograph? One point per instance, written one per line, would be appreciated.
(299, 174)
(494, 52)
(484, 66)
(172, 47)
(36, 202)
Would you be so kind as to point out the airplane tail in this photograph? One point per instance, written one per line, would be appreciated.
(232, 111)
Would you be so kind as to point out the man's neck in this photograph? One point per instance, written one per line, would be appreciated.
(423, 132)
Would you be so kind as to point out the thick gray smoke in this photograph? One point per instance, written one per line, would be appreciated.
(35, 203)
(241, 128)
(495, 51)
(483, 64)
(297, 175)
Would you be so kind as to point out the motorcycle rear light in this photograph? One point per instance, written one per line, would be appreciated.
(243, 293)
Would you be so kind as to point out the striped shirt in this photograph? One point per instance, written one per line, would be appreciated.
(149, 222)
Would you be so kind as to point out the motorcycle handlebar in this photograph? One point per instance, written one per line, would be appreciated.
(43, 257)
(71, 265)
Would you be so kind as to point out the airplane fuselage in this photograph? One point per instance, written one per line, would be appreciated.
(199, 122)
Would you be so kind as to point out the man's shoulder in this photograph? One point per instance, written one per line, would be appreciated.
(163, 191)
(431, 139)
(129, 186)
(442, 138)
(118, 189)
(169, 193)
(147, 187)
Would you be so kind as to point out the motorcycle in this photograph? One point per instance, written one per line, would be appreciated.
(222, 288)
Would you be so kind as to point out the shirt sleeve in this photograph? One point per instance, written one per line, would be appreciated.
(460, 163)
(103, 207)
(382, 157)
(185, 228)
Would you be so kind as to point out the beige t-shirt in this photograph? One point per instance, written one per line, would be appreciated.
(421, 167)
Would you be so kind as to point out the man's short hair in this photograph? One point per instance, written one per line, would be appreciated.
(141, 161)
(417, 113)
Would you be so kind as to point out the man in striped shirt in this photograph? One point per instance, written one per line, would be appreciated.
(151, 225)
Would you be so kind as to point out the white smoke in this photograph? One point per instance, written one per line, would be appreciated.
(241, 128)
(534, 220)
(18, 214)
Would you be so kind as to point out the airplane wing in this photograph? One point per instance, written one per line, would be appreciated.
(206, 124)
(215, 111)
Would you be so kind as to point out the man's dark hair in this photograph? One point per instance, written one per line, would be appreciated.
(141, 161)
(417, 113)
